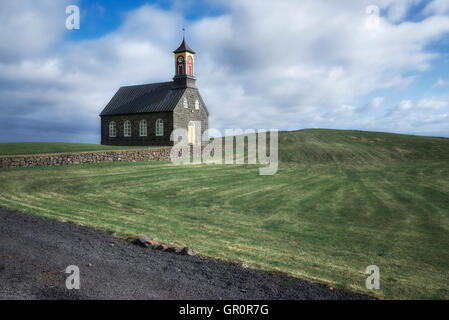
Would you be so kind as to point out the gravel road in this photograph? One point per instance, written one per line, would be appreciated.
(34, 253)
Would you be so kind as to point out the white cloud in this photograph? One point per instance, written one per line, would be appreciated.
(432, 104)
(440, 83)
(437, 7)
(426, 116)
(30, 27)
(397, 9)
(377, 102)
(405, 105)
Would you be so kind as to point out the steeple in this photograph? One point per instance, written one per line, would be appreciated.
(184, 66)
(184, 47)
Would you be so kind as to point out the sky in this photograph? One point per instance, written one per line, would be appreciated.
(378, 65)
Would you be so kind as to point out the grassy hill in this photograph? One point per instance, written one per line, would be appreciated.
(358, 147)
(340, 201)
(22, 148)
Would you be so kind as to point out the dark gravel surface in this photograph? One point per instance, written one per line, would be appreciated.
(34, 253)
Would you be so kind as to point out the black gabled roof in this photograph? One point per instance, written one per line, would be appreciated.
(153, 97)
(184, 47)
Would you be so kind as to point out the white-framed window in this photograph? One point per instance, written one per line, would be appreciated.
(159, 127)
(112, 129)
(143, 128)
(186, 103)
(197, 105)
(127, 128)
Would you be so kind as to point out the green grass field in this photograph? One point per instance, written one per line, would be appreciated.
(341, 200)
(23, 148)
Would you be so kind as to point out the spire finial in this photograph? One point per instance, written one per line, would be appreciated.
(183, 31)
(184, 47)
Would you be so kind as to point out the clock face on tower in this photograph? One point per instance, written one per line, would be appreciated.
(180, 59)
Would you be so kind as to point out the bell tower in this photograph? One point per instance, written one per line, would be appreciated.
(184, 66)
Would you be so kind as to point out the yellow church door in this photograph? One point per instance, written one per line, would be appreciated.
(192, 132)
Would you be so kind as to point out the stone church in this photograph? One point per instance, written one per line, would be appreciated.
(145, 115)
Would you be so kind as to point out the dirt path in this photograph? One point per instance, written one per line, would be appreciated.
(34, 253)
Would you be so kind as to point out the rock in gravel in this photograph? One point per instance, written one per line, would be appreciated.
(162, 247)
(171, 249)
(187, 251)
(144, 240)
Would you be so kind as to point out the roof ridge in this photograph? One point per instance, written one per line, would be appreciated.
(148, 84)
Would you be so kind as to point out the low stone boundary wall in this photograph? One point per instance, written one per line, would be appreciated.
(56, 159)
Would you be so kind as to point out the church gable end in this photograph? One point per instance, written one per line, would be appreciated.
(196, 110)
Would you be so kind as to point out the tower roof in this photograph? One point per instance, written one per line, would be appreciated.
(184, 47)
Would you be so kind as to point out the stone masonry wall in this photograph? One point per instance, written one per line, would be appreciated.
(159, 154)
(136, 140)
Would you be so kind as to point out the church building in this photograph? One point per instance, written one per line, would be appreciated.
(145, 115)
